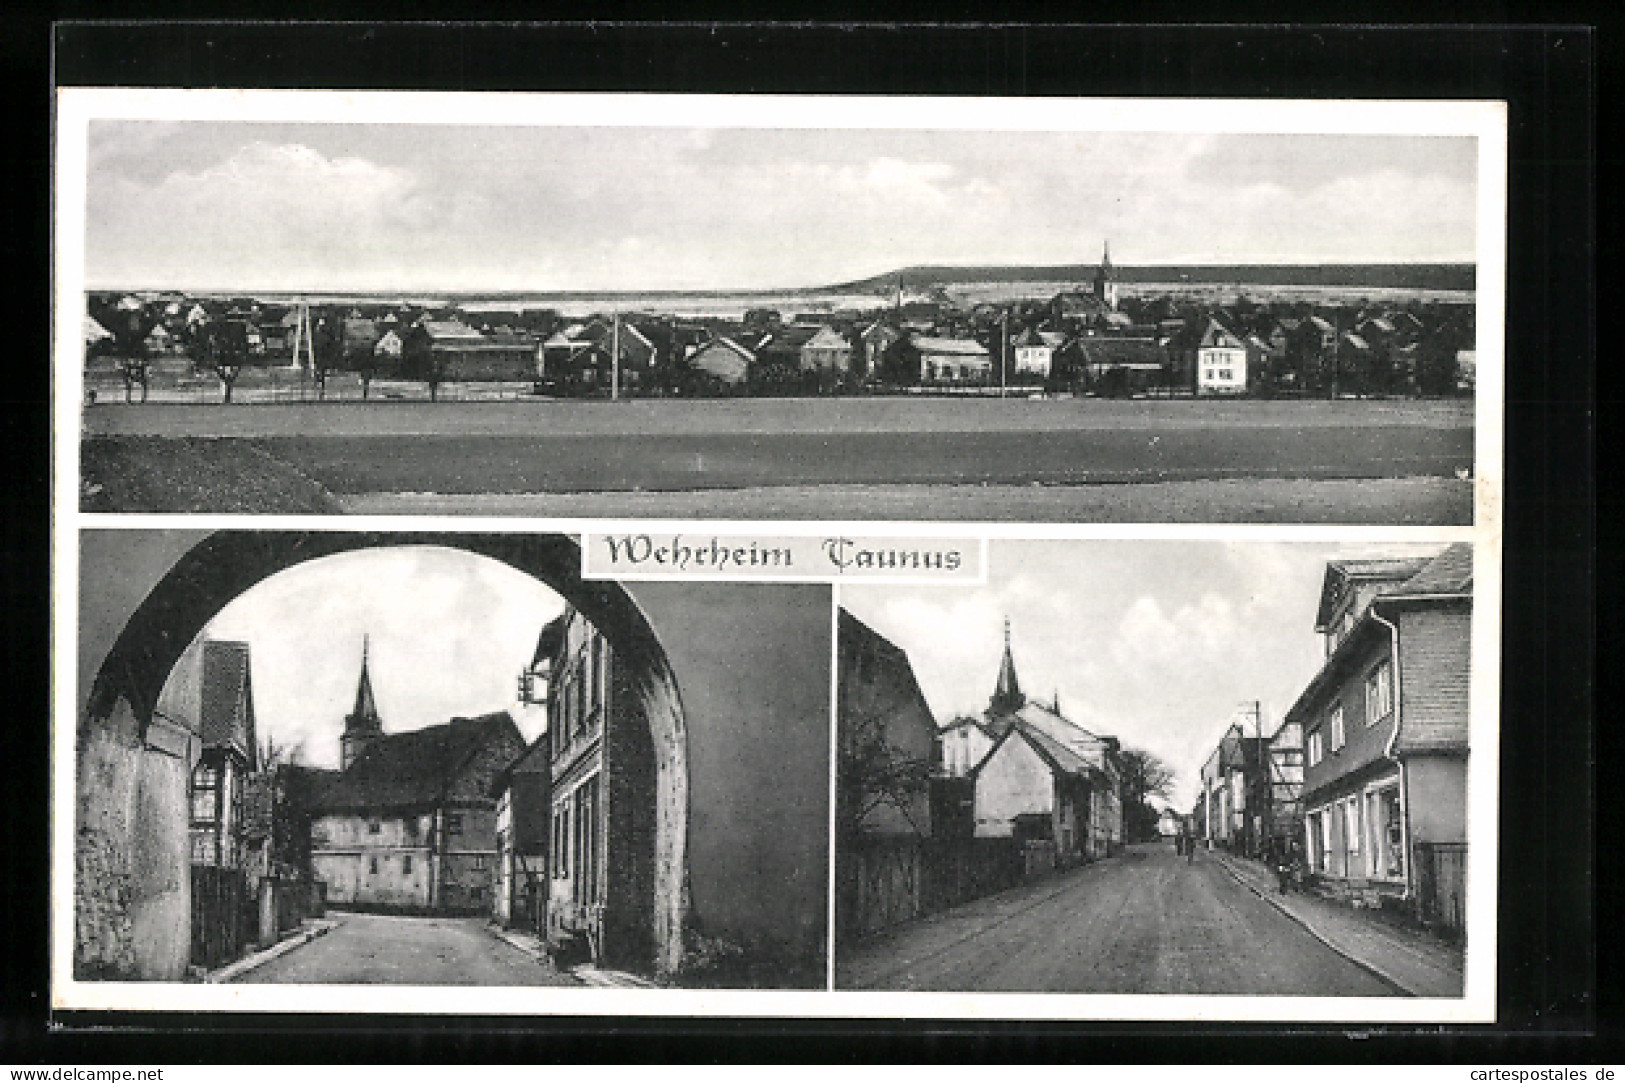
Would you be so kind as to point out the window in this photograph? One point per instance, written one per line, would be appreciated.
(1338, 738)
(205, 785)
(373, 826)
(1351, 817)
(1315, 749)
(372, 866)
(406, 864)
(454, 823)
(1379, 694)
(561, 835)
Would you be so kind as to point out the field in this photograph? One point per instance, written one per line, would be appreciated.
(1344, 461)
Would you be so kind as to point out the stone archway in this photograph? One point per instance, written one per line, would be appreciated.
(130, 867)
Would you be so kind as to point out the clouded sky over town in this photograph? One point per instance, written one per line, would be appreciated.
(450, 633)
(1158, 643)
(222, 205)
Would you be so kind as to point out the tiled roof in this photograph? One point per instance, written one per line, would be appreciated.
(1451, 572)
(451, 329)
(1126, 352)
(226, 714)
(963, 346)
(409, 770)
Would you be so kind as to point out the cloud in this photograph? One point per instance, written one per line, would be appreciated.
(266, 205)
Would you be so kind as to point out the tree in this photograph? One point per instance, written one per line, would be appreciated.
(226, 345)
(327, 349)
(1145, 776)
(130, 328)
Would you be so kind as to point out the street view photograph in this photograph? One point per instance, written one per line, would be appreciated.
(777, 322)
(1159, 767)
(443, 760)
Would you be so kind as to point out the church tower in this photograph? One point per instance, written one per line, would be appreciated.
(1106, 280)
(1007, 694)
(362, 725)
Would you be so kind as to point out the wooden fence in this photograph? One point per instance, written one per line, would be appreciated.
(887, 880)
(1441, 885)
(224, 915)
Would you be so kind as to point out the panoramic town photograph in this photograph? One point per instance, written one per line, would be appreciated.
(329, 758)
(703, 322)
(1159, 767)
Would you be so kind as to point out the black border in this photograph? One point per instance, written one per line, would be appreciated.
(1549, 1006)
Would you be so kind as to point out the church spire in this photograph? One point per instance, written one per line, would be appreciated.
(363, 723)
(1106, 278)
(1007, 695)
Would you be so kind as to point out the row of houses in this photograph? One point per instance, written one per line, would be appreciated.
(1078, 341)
(929, 816)
(1364, 780)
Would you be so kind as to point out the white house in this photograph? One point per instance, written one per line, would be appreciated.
(1033, 352)
(1221, 361)
(952, 360)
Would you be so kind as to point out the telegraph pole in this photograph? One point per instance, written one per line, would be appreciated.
(1004, 352)
(615, 359)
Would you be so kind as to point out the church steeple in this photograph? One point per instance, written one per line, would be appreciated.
(1007, 694)
(1106, 278)
(362, 724)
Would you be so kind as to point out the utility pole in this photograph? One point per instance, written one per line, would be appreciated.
(1004, 352)
(615, 359)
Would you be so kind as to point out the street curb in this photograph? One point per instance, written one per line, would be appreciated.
(320, 927)
(519, 945)
(1370, 968)
(609, 979)
(585, 973)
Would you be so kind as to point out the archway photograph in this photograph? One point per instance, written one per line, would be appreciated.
(442, 759)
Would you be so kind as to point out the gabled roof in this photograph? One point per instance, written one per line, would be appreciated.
(1341, 574)
(226, 714)
(729, 343)
(95, 332)
(1218, 336)
(827, 338)
(410, 770)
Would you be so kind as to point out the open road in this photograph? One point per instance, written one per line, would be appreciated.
(1143, 922)
(376, 949)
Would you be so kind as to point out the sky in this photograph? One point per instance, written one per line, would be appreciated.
(401, 207)
(450, 632)
(1161, 644)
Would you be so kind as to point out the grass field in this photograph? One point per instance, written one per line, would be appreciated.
(987, 452)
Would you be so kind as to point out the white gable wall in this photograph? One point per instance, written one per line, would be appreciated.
(963, 748)
(1014, 781)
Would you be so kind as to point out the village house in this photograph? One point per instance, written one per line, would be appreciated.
(1285, 759)
(458, 352)
(887, 737)
(602, 831)
(1046, 779)
(878, 342)
(1033, 353)
(523, 821)
(1221, 361)
(407, 822)
(827, 351)
(229, 755)
(1385, 733)
(952, 360)
(1116, 366)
